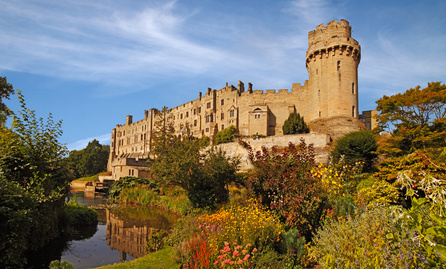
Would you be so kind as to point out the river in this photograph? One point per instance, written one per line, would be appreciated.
(120, 235)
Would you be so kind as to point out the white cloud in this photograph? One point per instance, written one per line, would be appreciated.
(81, 144)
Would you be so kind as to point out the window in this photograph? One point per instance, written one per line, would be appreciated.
(353, 88)
(187, 114)
(195, 123)
(211, 118)
(195, 111)
(257, 116)
(353, 111)
(222, 116)
(231, 113)
(320, 114)
(207, 118)
(208, 105)
(207, 130)
(222, 126)
(339, 65)
(222, 102)
(181, 116)
(199, 110)
(316, 71)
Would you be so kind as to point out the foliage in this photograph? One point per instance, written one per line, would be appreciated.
(419, 118)
(33, 185)
(209, 187)
(56, 264)
(244, 224)
(182, 162)
(337, 178)
(356, 147)
(156, 240)
(171, 198)
(431, 229)
(89, 161)
(5, 91)
(226, 135)
(378, 194)
(77, 215)
(117, 186)
(295, 124)
(374, 238)
(284, 182)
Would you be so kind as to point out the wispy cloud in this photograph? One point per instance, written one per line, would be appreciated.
(81, 144)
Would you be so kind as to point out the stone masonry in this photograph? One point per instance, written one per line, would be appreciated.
(331, 92)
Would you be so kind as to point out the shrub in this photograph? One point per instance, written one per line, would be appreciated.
(226, 135)
(116, 187)
(284, 182)
(356, 147)
(374, 238)
(295, 124)
(77, 215)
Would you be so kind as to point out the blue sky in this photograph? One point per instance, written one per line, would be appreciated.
(91, 63)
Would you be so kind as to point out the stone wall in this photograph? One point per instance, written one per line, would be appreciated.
(236, 150)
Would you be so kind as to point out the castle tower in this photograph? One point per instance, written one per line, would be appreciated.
(332, 62)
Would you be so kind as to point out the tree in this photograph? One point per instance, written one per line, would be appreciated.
(357, 146)
(94, 159)
(33, 185)
(295, 124)
(182, 162)
(89, 161)
(5, 91)
(226, 135)
(418, 116)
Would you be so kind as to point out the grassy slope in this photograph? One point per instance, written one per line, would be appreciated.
(162, 259)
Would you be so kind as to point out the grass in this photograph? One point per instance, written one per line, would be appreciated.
(162, 259)
(91, 178)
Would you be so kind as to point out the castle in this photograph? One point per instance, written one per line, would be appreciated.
(330, 93)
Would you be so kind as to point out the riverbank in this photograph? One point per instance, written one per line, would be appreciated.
(162, 259)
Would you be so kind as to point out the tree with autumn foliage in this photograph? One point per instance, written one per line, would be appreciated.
(418, 116)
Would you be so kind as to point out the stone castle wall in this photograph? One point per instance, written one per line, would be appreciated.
(331, 92)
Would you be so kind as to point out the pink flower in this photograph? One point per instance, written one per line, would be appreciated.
(231, 262)
(244, 252)
(216, 262)
(254, 250)
(239, 262)
(246, 257)
(226, 244)
(235, 253)
(238, 247)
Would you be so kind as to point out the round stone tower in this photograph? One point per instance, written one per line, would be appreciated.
(332, 62)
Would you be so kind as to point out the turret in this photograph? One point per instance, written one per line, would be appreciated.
(332, 62)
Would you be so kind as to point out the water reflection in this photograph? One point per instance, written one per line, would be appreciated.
(129, 228)
(121, 235)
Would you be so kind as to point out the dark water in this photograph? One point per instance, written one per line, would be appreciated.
(121, 235)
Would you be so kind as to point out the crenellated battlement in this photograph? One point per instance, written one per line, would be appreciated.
(331, 91)
(333, 29)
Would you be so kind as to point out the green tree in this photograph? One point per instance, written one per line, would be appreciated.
(295, 124)
(89, 161)
(226, 135)
(94, 159)
(182, 162)
(418, 117)
(357, 146)
(33, 185)
(5, 91)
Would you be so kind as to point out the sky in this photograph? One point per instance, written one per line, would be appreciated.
(90, 63)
